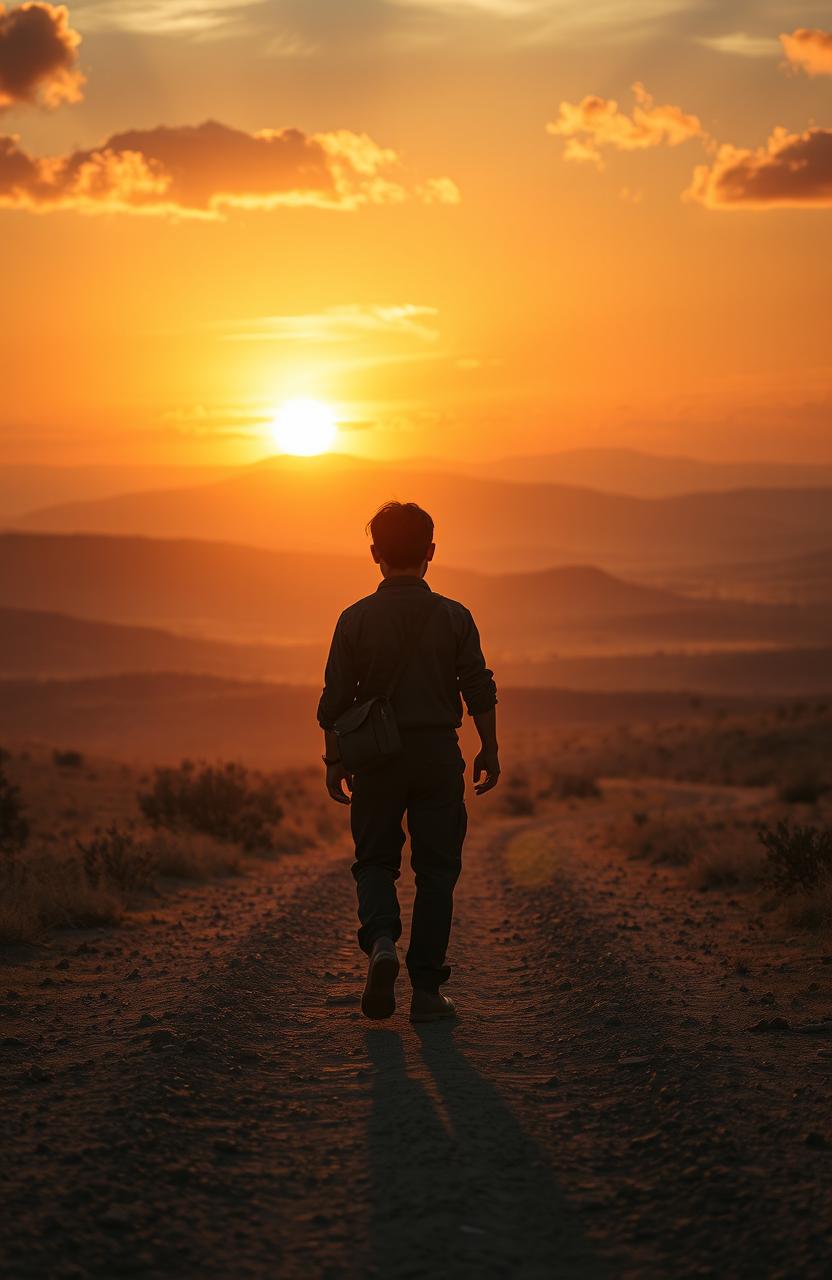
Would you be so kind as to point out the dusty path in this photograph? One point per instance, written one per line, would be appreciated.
(601, 1108)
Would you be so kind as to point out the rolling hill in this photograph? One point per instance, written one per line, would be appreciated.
(321, 505)
(216, 591)
(53, 645)
(23, 486)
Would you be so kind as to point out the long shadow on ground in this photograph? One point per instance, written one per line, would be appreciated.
(457, 1187)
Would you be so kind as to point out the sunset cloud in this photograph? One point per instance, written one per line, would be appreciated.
(38, 56)
(741, 45)
(161, 17)
(343, 324)
(594, 123)
(206, 169)
(809, 49)
(793, 170)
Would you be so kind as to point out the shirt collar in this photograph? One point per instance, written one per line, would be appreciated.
(403, 582)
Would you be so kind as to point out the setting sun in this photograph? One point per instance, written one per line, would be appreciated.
(304, 427)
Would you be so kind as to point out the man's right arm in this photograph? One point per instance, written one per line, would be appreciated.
(487, 760)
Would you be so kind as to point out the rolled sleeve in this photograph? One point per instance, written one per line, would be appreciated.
(340, 681)
(476, 681)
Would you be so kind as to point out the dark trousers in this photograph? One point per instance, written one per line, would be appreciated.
(425, 782)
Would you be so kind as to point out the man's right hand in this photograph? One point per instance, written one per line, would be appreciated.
(336, 777)
(486, 762)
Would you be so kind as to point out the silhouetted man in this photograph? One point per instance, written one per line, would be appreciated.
(422, 651)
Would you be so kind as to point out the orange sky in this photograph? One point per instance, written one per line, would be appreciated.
(467, 247)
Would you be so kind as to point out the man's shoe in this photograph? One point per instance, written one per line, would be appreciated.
(430, 1006)
(379, 998)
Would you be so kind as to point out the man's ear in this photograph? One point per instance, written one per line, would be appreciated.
(375, 554)
(430, 552)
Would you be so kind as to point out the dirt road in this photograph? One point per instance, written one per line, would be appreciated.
(197, 1095)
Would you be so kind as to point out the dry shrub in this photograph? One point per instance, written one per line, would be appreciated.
(573, 786)
(118, 858)
(224, 801)
(14, 829)
(807, 790)
(68, 759)
(798, 858)
(516, 797)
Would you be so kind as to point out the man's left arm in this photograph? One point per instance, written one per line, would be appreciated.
(479, 692)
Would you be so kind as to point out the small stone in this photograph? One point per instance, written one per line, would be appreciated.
(37, 1075)
(162, 1038)
(115, 1217)
(770, 1024)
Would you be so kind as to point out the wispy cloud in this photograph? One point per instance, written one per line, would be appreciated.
(550, 18)
(348, 323)
(594, 123)
(741, 45)
(38, 56)
(207, 169)
(793, 170)
(810, 50)
(161, 17)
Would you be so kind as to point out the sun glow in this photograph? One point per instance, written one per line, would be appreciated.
(304, 427)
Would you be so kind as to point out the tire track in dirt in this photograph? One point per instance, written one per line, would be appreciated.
(575, 1121)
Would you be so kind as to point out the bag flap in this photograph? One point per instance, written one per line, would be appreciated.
(355, 717)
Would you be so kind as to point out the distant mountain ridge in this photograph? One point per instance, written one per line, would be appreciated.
(649, 475)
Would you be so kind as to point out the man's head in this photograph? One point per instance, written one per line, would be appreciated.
(402, 535)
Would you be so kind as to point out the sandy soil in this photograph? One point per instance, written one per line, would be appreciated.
(637, 1085)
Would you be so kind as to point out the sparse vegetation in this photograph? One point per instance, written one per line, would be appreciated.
(224, 801)
(42, 892)
(14, 829)
(75, 873)
(68, 759)
(808, 790)
(573, 786)
(517, 798)
(117, 858)
(798, 858)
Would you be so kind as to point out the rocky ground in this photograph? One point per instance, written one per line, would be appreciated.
(637, 1086)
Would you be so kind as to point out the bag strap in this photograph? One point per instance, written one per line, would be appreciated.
(410, 648)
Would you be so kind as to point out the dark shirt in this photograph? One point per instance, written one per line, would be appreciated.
(369, 639)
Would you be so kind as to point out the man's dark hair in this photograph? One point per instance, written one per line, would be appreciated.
(402, 533)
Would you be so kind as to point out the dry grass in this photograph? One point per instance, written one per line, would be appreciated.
(715, 854)
(44, 892)
(194, 857)
(91, 857)
(811, 910)
(728, 859)
(667, 840)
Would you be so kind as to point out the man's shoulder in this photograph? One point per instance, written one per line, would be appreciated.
(454, 607)
(358, 607)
